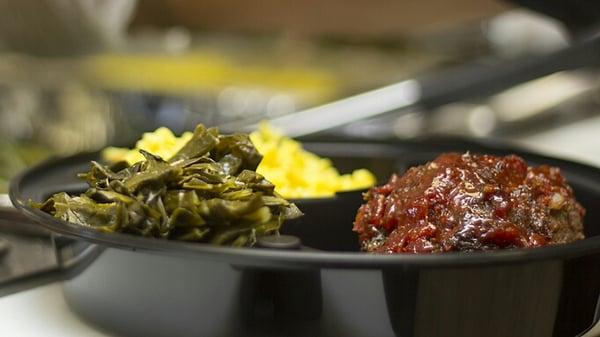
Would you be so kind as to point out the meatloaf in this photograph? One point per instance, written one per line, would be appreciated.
(468, 202)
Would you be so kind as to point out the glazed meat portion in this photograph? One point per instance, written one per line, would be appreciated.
(467, 202)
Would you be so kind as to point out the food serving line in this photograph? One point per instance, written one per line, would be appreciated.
(554, 290)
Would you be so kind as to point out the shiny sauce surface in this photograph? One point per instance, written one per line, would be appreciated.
(465, 202)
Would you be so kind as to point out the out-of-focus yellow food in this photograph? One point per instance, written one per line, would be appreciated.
(161, 142)
(295, 172)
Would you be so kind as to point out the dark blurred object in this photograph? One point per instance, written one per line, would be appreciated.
(578, 15)
(379, 19)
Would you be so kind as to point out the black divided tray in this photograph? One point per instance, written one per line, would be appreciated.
(329, 287)
(327, 224)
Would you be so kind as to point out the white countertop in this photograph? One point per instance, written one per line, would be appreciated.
(41, 312)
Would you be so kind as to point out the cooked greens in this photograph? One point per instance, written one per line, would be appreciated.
(208, 192)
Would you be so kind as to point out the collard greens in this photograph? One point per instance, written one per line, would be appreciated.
(208, 192)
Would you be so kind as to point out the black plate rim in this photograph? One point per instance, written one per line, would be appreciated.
(308, 258)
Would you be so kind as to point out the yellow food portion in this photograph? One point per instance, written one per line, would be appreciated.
(162, 142)
(295, 172)
(203, 70)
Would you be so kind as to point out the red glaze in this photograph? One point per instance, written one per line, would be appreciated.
(464, 202)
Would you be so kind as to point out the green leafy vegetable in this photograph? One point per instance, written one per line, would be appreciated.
(208, 192)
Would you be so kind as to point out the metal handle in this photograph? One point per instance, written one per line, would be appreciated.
(61, 271)
(64, 266)
(464, 82)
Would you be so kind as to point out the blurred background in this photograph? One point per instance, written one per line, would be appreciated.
(80, 75)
